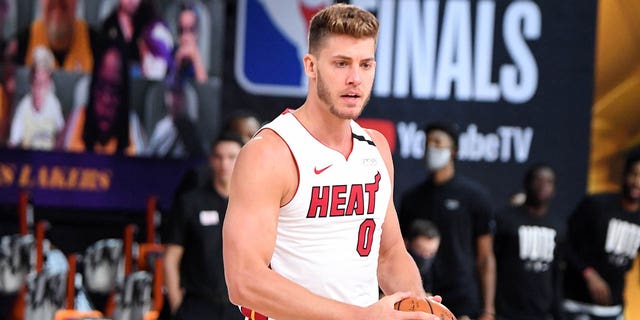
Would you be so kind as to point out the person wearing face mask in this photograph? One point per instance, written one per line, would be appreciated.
(464, 271)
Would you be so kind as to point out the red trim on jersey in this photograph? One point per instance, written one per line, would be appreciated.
(294, 160)
(252, 315)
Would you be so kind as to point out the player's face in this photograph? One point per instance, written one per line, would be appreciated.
(223, 158)
(632, 182)
(344, 78)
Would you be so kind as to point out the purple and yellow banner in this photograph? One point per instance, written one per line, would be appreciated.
(84, 180)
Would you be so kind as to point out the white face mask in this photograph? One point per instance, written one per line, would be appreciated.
(437, 158)
(153, 68)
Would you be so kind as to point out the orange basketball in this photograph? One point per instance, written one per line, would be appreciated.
(424, 305)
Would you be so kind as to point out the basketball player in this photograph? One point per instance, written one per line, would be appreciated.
(311, 230)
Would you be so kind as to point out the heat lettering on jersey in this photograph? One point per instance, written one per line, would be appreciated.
(343, 200)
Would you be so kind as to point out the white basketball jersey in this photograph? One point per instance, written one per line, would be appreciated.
(329, 234)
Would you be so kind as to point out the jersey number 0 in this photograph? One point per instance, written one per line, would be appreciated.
(365, 237)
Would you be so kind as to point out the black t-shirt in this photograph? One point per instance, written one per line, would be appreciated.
(527, 249)
(196, 225)
(461, 210)
(604, 236)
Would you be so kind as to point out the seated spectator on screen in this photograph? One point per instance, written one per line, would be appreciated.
(38, 119)
(155, 47)
(176, 134)
(187, 57)
(124, 25)
(70, 39)
(107, 125)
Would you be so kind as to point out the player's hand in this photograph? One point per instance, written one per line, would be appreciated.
(598, 288)
(383, 309)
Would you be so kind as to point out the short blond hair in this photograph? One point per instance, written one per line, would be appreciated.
(341, 19)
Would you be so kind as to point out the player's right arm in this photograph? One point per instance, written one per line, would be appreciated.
(265, 178)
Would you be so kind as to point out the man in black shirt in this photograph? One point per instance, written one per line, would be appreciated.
(194, 273)
(604, 237)
(527, 252)
(464, 267)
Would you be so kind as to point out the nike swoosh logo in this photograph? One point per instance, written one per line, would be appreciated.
(321, 170)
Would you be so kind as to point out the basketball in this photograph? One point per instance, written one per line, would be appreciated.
(424, 305)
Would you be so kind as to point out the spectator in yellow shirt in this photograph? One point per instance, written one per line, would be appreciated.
(69, 38)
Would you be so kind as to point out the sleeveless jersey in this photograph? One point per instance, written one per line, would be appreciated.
(328, 236)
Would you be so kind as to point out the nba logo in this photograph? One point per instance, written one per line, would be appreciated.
(271, 39)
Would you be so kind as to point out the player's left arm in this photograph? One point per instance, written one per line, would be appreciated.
(397, 271)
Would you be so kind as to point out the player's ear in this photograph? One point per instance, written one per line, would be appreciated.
(310, 65)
